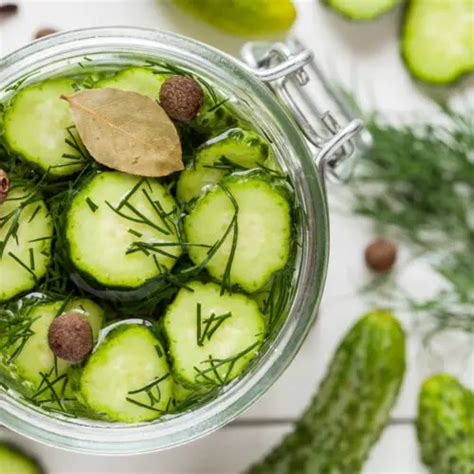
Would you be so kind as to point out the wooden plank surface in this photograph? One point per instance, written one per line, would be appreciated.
(229, 451)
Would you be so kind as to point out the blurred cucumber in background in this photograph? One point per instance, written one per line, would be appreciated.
(244, 17)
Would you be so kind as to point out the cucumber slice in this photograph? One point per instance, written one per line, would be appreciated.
(363, 10)
(214, 118)
(88, 310)
(136, 79)
(36, 124)
(36, 358)
(14, 461)
(117, 230)
(128, 377)
(212, 353)
(255, 206)
(438, 39)
(217, 158)
(26, 231)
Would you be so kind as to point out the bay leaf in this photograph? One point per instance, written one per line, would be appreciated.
(126, 131)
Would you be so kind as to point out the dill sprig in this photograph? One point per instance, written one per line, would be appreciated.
(211, 325)
(15, 329)
(217, 372)
(153, 392)
(416, 184)
(234, 227)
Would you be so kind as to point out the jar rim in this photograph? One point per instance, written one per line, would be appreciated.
(113, 438)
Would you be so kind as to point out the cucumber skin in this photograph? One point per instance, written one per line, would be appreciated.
(16, 452)
(346, 417)
(409, 66)
(445, 425)
(348, 16)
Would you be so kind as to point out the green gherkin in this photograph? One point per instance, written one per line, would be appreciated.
(346, 417)
(244, 17)
(445, 425)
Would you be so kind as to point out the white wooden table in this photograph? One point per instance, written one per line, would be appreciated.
(365, 58)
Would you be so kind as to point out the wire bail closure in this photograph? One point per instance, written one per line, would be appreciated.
(326, 120)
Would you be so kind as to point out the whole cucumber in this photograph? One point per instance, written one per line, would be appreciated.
(14, 460)
(244, 17)
(445, 425)
(346, 417)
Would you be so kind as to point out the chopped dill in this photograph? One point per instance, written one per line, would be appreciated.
(92, 205)
(416, 184)
(234, 226)
(212, 374)
(211, 325)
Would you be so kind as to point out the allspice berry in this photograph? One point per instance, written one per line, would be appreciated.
(8, 9)
(381, 255)
(181, 97)
(4, 186)
(70, 337)
(42, 32)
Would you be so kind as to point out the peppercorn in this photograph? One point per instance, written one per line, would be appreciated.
(70, 337)
(7, 9)
(42, 32)
(4, 186)
(181, 97)
(381, 255)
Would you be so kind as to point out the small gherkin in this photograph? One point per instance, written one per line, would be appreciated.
(445, 425)
(244, 17)
(352, 406)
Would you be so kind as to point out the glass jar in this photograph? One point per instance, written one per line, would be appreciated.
(115, 46)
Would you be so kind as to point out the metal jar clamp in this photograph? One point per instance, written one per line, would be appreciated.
(328, 123)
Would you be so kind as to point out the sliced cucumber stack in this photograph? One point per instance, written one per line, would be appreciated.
(247, 220)
(35, 359)
(136, 79)
(120, 232)
(14, 461)
(212, 337)
(235, 149)
(26, 231)
(128, 377)
(37, 127)
(438, 39)
(361, 10)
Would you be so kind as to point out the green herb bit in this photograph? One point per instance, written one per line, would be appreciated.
(153, 397)
(141, 219)
(225, 164)
(93, 206)
(203, 376)
(158, 208)
(24, 265)
(135, 233)
(234, 225)
(211, 325)
(32, 259)
(15, 327)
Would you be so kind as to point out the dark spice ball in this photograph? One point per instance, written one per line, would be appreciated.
(4, 186)
(181, 97)
(42, 32)
(7, 9)
(381, 254)
(70, 337)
